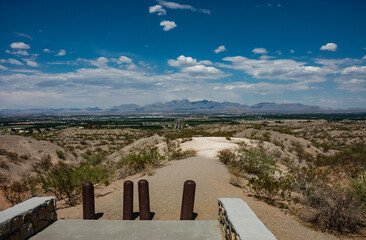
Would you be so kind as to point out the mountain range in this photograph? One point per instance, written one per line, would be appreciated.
(186, 106)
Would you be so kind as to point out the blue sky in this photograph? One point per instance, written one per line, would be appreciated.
(107, 53)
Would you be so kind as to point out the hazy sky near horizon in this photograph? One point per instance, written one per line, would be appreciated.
(106, 53)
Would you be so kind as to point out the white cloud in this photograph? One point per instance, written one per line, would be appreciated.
(354, 70)
(364, 57)
(352, 85)
(31, 63)
(265, 57)
(292, 51)
(14, 61)
(262, 88)
(174, 5)
(279, 52)
(191, 66)
(18, 52)
(329, 47)
(62, 52)
(19, 45)
(3, 68)
(260, 51)
(281, 69)
(23, 35)
(168, 25)
(46, 50)
(158, 9)
(182, 61)
(222, 48)
(124, 59)
(201, 69)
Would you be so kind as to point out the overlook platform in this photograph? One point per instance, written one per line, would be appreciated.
(132, 230)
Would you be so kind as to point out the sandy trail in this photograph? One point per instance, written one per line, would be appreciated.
(212, 182)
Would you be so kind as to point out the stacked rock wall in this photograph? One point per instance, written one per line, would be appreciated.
(27, 218)
(238, 221)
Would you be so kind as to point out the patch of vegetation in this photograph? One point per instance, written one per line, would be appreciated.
(64, 181)
(138, 160)
(15, 192)
(60, 154)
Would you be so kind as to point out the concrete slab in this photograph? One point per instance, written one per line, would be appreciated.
(132, 230)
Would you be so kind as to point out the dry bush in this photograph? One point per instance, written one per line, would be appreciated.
(226, 156)
(15, 192)
(336, 210)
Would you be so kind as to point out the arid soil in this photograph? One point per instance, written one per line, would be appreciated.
(212, 179)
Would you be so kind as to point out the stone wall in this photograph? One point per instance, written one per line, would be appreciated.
(238, 221)
(27, 218)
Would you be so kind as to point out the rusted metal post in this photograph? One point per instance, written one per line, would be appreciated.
(88, 201)
(188, 200)
(128, 200)
(144, 200)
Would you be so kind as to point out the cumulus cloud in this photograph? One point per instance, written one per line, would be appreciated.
(222, 48)
(182, 61)
(168, 25)
(124, 59)
(62, 52)
(19, 45)
(158, 9)
(260, 51)
(364, 57)
(329, 47)
(46, 50)
(31, 63)
(14, 61)
(191, 66)
(292, 51)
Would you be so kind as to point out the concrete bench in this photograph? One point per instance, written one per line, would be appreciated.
(238, 221)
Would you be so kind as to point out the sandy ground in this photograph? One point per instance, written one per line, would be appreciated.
(212, 179)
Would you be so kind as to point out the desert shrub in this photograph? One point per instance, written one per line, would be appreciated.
(358, 185)
(140, 159)
(255, 161)
(354, 155)
(65, 181)
(250, 160)
(335, 210)
(60, 154)
(267, 136)
(269, 188)
(175, 151)
(226, 156)
(15, 192)
(96, 158)
(11, 155)
(285, 131)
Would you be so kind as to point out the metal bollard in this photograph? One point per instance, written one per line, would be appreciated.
(88, 201)
(188, 200)
(128, 200)
(144, 200)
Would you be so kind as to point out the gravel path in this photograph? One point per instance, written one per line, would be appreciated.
(212, 179)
